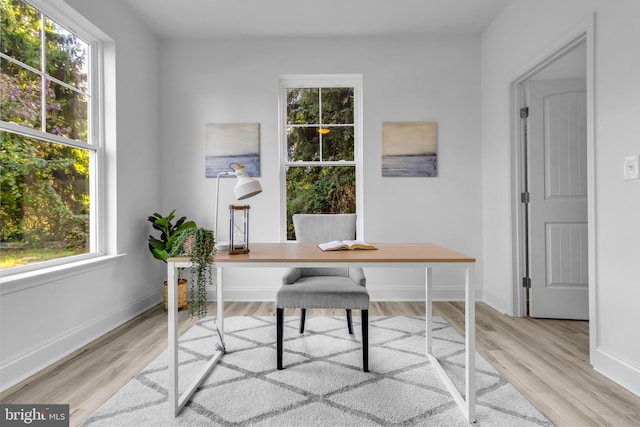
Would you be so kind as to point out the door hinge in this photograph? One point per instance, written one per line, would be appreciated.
(526, 282)
(525, 197)
(524, 112)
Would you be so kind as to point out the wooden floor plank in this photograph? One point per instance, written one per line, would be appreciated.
(546, 360)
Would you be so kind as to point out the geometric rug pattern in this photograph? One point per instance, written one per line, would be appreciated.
(322, 383)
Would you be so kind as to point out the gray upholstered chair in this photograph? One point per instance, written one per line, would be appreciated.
(324, 287)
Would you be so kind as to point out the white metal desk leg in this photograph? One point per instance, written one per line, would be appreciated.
(172, 307)
(429, 309)
(470, 344)
(220, 310)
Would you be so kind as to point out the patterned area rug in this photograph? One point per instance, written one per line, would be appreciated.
(322, 383)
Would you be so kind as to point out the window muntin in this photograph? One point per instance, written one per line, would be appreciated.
(48, 155)
(320, 134)
(321, 149)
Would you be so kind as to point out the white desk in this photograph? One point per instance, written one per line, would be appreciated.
(409, 255)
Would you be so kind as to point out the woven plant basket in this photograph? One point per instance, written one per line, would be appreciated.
(183, 301)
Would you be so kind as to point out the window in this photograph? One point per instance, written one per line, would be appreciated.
(50, 153)
(321, 145)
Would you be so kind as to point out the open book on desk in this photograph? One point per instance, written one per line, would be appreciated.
(349, 245)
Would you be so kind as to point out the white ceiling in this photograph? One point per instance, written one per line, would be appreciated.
(299, 18)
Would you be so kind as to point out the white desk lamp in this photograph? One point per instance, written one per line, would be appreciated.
(245, 187)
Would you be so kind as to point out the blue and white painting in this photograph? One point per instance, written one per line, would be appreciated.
(229, 144)
(410, 149)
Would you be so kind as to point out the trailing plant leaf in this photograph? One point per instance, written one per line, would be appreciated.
(198, 244)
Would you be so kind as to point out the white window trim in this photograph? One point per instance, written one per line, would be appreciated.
(323, 80)
(103, 242)
(20, 281)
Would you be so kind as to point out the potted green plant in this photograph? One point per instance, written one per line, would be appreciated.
(161, 247)
(199, 245)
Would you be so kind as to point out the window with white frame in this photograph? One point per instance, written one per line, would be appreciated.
(50, 151)
(322, 146)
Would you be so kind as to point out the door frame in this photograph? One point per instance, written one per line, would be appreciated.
(583, 34)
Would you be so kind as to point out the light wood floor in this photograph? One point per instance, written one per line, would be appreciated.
(547, 360)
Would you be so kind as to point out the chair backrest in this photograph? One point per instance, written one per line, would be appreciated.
(320, 228)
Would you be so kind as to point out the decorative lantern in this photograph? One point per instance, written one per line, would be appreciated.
(239, 229)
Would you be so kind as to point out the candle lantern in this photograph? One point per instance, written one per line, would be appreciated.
(239, 229)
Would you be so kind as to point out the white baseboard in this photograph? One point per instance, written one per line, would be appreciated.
(495, 301)
(617, 370)
(22, 367)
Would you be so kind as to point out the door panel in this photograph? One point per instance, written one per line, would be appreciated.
(558, 198)
(566, 255)
(565, 158)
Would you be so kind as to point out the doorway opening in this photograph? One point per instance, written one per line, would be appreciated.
(552, 184)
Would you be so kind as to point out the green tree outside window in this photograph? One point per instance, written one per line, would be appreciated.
(320, 169)
(45, 182)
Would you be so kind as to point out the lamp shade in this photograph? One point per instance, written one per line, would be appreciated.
(245, 186)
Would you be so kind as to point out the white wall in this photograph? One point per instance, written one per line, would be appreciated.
(404, 79)
(161, 121)
(524, 33)
(53, 317)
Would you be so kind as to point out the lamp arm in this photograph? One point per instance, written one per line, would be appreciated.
(223, 173)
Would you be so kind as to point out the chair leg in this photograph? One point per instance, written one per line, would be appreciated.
(279, 335)
(349, 321)
(303, 314)
(365, 340)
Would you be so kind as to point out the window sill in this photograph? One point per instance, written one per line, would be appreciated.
(31, 279)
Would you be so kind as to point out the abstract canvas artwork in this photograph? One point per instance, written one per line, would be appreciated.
(409, 149)
(232, 143)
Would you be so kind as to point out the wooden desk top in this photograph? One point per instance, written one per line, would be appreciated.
(310, 253)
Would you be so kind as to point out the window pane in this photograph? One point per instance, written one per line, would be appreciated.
(67, 56)
(20, 32)
(303, 144)
(303, 106)
(337, 105)
(66, 112)
(337, 143)
(20, 94)
(329, 189)
(44, 206)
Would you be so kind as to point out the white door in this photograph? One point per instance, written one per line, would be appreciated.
(557, 153)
